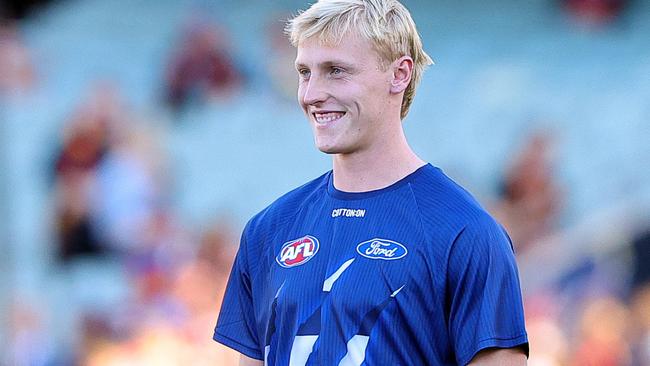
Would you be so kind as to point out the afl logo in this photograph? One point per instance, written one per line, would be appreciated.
(382, 249)
(297, 252)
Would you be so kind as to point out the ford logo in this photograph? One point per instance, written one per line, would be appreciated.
(382, 249)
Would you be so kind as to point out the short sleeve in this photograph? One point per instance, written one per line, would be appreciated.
(236, 324)
(484, 295)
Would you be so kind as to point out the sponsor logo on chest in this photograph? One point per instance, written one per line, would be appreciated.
(296, 252)
(347, 212)
(382, 249)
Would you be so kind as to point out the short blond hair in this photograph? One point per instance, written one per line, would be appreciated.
(386, 23)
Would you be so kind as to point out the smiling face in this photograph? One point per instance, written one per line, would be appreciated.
(345, 93)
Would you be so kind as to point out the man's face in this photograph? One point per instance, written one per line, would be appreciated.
(344, 92)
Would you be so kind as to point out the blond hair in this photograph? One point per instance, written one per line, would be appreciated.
(386, 23)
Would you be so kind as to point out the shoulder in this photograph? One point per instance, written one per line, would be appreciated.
(448, 209)
(284, 209)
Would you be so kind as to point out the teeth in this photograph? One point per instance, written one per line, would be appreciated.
(328, 117)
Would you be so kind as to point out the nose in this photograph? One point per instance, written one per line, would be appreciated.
(313, 91)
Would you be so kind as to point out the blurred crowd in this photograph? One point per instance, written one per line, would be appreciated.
(111, 212)
(597, 311)
(112, 208)
(141, 286)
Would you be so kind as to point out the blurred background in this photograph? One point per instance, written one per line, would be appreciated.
(137, 137)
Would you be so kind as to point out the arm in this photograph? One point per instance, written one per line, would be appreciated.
(485, 295)
(500, 357)
(236, 326)
(247, 361)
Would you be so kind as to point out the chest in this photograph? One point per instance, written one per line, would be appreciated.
(346, 261)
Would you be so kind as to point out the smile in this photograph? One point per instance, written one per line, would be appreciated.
(327, 117)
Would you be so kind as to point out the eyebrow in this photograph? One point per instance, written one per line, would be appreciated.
(327, 64)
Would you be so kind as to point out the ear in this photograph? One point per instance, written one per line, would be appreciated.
(402, 72)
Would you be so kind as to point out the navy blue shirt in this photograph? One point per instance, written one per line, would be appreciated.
(416, 273)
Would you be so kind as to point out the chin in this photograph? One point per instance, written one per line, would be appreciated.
(334, 148)
(328, 149)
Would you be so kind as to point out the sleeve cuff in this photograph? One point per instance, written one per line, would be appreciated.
(238, 346)
(520, 341)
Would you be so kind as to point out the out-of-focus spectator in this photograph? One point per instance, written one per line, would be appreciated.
(172, 316)
(130, 187)
(530, 198)
(280, 59)
(109, 179)
(201, 67)
(85, 144)
(549, 343)
(641, 252)
(17, 73)
(595, 12)
(152, 268)
(201, 283)
(604, 333)
(200, 286)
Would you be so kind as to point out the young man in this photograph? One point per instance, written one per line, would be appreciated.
(383, 260)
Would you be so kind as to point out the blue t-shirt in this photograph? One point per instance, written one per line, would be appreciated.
(416, 273)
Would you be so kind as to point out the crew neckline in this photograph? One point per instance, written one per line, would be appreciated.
(342, 195)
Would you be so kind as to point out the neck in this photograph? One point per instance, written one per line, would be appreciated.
(385, 162)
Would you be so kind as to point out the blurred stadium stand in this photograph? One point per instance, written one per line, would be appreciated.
(504, 71)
